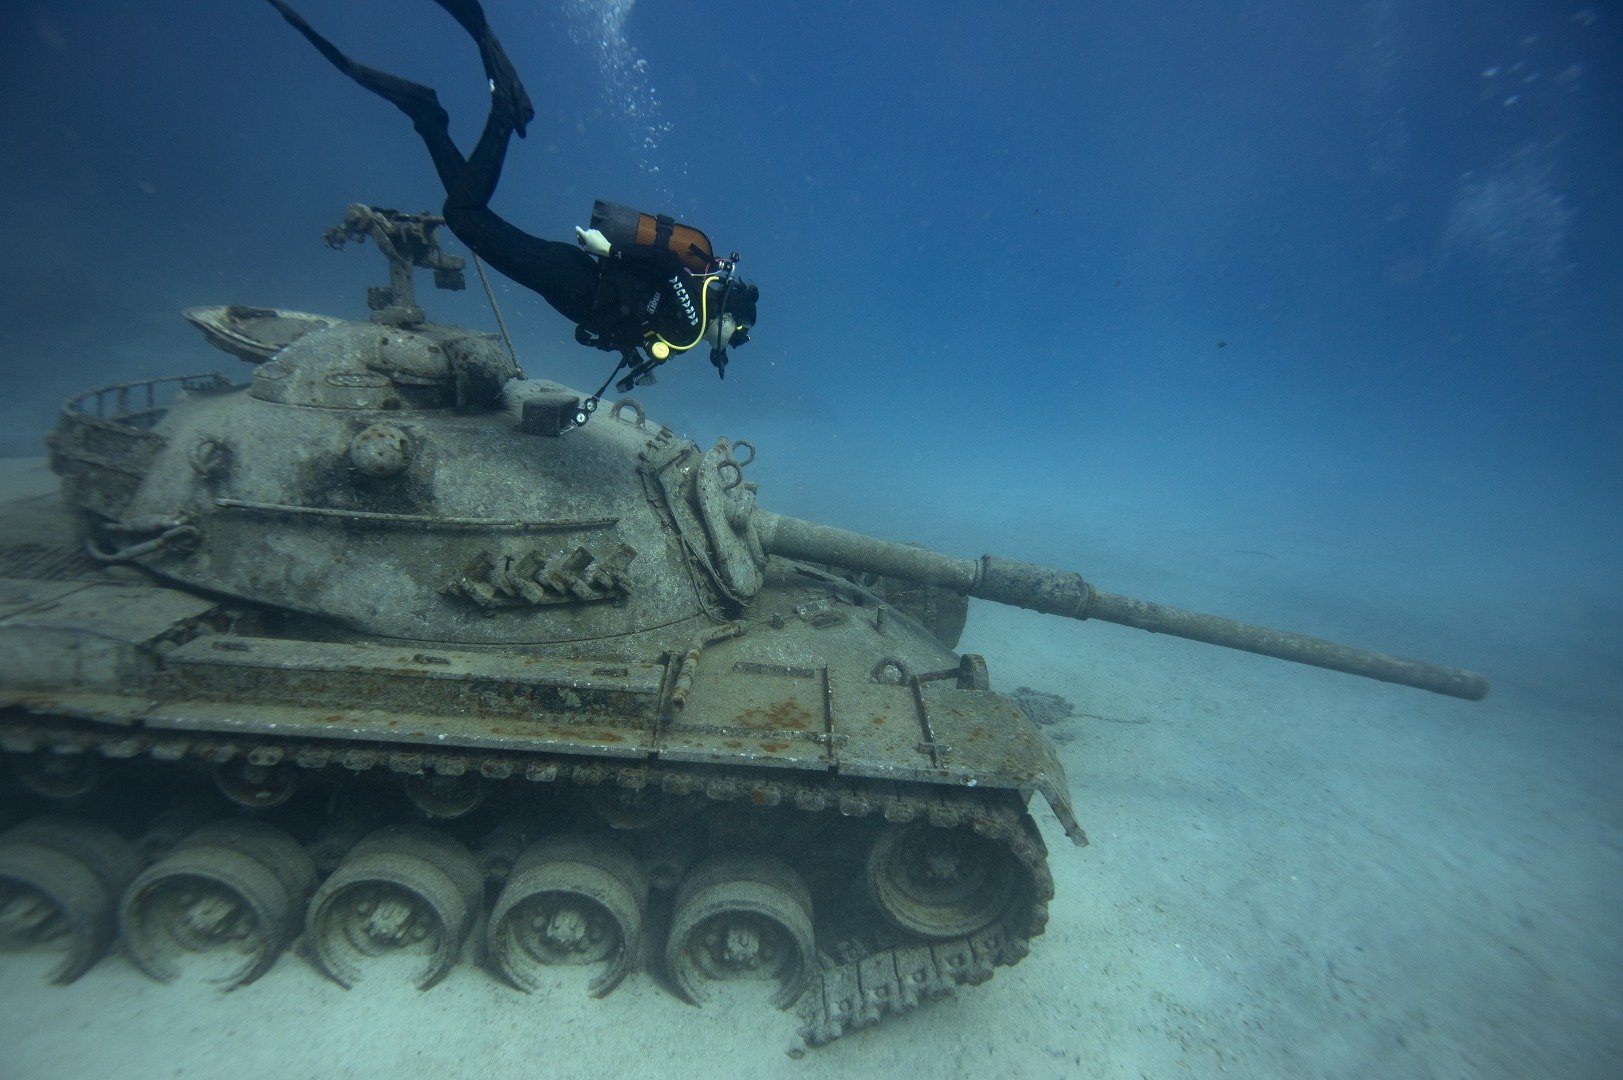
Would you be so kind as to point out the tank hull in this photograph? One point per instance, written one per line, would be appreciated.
(816, 723)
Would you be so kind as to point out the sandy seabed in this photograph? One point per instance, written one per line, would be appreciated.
(1293, 873)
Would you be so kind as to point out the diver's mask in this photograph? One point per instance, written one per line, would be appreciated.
(737, 306)
(727, 331)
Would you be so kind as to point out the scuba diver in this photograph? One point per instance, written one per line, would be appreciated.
(643, 286)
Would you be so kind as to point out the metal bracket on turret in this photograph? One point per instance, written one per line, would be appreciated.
(703, 506)
(570, 574)
(407, 241)
(727, 507)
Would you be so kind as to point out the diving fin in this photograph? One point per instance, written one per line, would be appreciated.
(504, 80)
(414, 99)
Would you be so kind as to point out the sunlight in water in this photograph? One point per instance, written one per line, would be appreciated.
(1513, 220)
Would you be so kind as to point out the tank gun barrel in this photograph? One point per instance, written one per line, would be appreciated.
(1061, 592)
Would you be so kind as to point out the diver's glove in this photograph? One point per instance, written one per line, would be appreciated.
(592, 240)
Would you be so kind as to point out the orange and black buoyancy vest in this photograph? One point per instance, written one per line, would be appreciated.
(651, 283)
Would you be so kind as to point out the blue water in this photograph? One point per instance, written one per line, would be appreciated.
(1048, 279)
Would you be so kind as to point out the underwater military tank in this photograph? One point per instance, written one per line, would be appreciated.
(385, 651)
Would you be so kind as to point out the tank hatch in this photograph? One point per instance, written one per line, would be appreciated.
(371, 366)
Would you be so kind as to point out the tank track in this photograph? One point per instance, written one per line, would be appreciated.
(858, 979)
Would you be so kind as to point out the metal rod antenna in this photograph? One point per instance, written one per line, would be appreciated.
(491, 296)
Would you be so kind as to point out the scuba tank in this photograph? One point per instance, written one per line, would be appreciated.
(625, 227)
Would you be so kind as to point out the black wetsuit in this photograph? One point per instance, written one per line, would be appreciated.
(616, 300)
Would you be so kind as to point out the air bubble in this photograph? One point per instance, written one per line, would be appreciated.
(599, 26)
